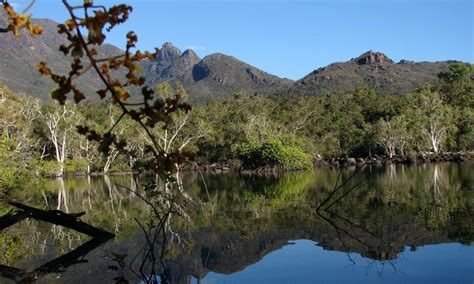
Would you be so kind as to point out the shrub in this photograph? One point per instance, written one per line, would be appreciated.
(12, 174)
(272, 152)
(75, 166)
(45, 168)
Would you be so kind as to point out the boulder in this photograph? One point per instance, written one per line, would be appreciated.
(351, 161)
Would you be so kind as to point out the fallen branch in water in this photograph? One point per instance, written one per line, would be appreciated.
(60, 218)
(57, 265)
(57, 217)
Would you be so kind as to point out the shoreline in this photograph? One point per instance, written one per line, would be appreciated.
(318, 163)
(340, 162)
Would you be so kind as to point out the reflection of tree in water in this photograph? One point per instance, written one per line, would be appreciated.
(377, 223)
(232, 226)
(62, 196)
(164, 201)
(385, 240)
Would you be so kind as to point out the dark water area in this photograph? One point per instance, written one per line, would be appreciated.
(391, 224)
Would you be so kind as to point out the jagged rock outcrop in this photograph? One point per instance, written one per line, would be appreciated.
(216, 76)
(372, 57)
(171, 63)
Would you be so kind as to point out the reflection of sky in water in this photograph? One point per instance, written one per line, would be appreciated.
(304, 262)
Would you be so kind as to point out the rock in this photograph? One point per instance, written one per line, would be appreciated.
(371, 58)
(405, 159)
(168, 52)
(351, 161)
(463, 158)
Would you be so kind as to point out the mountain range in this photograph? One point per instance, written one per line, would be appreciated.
(216, 76)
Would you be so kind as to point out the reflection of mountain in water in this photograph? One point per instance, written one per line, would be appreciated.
(393, 208)
(232, 251)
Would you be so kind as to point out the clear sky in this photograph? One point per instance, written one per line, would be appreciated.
(292, 38)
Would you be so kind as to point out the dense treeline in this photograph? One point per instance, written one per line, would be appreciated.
(254, 131)
(259, 130)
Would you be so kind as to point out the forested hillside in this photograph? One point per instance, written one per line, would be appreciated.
(371, 69)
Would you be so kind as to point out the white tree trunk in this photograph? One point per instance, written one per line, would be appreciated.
(59, 125)
(110, 159)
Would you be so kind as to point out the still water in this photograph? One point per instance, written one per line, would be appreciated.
(392, 224)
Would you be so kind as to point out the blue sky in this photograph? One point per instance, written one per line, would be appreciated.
(292, 38)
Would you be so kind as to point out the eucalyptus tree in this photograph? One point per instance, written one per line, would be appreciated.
(60, 121)
(392, 135)
(431, 120)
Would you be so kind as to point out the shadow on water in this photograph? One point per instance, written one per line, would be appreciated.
(234, 222)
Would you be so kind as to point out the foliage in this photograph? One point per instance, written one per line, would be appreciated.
(20, 21)
(392, 135)
(8, 165)
(45, 168)
(272, 152)
(464, 136)
(75, 166)
(430, 119)
(456, 85)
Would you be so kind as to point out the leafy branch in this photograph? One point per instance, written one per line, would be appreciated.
(86, 32)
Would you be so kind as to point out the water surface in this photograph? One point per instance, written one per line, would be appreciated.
(393, 224)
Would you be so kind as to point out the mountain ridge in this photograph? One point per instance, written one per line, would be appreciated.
(370, 69)
(216, 76)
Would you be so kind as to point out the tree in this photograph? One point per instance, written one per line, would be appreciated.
(465, 129)
(431, 120)
(88, 152)
(457, 90)
(113, 151)
(343, 117)
(456, 86)
(392, 135)
(60, 122)
(172, 137)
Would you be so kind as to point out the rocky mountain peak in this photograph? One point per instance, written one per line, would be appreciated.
(371, 58)
(168, 52)
(189, 54)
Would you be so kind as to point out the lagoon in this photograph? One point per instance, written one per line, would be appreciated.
(392, 224)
